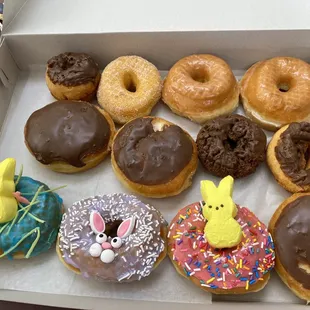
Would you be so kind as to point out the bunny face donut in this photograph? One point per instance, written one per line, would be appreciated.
(220, 246)
(30, 214)
(114, 238)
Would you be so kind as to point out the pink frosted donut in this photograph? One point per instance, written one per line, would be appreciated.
(237, 270)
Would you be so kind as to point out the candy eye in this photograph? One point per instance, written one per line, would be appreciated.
(116, 242)
(101, 238)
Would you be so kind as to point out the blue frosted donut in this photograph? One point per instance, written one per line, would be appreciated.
(35, 226)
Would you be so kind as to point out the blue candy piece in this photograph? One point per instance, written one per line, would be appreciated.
(48, 209)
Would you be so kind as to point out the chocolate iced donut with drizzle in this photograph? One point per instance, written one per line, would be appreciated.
(231, 145)
(288, 157)
(154, 157)
(290, 228)
(72, 76)
(113, 238)
(69, 136)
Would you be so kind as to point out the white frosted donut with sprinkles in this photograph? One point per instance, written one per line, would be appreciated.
(236, 270)
(114, 238)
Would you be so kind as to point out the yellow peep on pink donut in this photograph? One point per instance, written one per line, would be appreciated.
(221, 230)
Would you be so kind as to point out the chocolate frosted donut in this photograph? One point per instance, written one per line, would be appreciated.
(288, 156)
(231, 145)
(154, 157)
(290, 228)
(69, 136)
(72, 76)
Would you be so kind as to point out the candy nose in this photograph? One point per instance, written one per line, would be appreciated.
(106, 245)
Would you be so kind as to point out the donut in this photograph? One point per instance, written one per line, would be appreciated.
(276, 92)
(154, 157)
(231, 145)
(288, 158)
(30, 214)
(114, 238)
(220, 246)
(201, 87)
(290, 228)
(130, 86)
(69, 136)
(72, 76)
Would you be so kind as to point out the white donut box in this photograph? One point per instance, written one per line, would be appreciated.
(162, 31)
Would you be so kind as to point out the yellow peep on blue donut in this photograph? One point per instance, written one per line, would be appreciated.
(221, 230)
(8, 204)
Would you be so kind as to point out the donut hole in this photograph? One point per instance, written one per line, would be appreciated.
(130, 82)
(111, 228)
(230, 144)
(284, 87)
(200, 76)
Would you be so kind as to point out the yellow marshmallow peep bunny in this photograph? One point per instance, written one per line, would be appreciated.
(221, 230)
(8, 203)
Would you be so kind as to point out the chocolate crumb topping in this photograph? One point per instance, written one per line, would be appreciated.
(72, 69)
(292, 152)
(151, 157)
(67, 131)
(292, 239)
(231, 145)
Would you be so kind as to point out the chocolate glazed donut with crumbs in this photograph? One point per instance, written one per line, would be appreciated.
(288, 157)
(72, 76)
(154, 157)
(231, 145)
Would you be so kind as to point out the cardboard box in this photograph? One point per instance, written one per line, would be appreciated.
(163, 32)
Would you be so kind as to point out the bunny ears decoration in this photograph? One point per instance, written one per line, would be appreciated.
(8, 204)
(221, 230)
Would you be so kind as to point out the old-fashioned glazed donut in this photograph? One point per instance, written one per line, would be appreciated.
(130, 86)
(276, 92)
(72, 76)
(201, 87)
(221, 247)
(154, 157)
(290, 228)
(69, 136)
(288, 157)
(231, 145)
(113, 238)
(30, 214)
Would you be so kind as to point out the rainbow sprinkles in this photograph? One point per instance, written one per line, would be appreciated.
(238, 267)
(30, 214)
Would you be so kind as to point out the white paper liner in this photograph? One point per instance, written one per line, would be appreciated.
(45, 273)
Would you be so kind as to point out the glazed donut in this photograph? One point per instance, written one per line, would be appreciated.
(130, 86)
(288, 158)
(69, 136)
(154, 157)
(30, 214)
(201, 87)
(114, 238)
(231, 145)
(72, 76)
(290, 228)
(221, 247)
(276, 92)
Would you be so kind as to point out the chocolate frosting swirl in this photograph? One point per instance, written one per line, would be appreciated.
(151, 157)
(231, 145)
(72, 69)
(292, 239)
(66, 131)
(292, 152)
